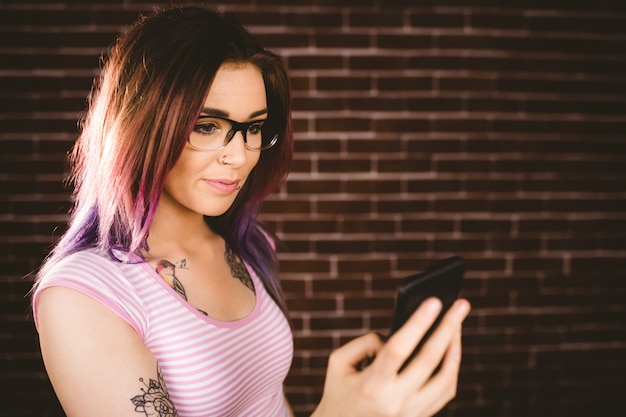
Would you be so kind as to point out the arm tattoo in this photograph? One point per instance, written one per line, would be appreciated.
(167, 270)
(238, 269)
(154, 400)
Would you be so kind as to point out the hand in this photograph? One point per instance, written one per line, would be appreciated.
(379, 390)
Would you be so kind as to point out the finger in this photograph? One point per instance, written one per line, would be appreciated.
(401, 344)
(442, 388)
(346, 358)
(421, 368)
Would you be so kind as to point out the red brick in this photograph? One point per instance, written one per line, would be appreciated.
(397, 125)
(317, 62)
(407, 206)
(336, 323)
(373, 186)
(369, 304)
(368, 226)
(427, 185)
(435, 145)
(428, 225)
(338, 285)
(422, 130)
(342, 40)
(304, 265)
(342, 246)
(399, 245)
(316, 103)
(312, 226)
(342, 124)
(54, 39)
(405, 83)
(344, 165)
(318, 187)
(608, 24)
(317, 145)
(373, 62)
(378, 18)
(294, 40)
(391, 104)
(317, 20)
(343, 84)
(374, 146)
(404, 41)
(435, 103)
(286, 206)
(483, 20)
(343, 206)
(464, 125)
(438, 19)
(457, 205)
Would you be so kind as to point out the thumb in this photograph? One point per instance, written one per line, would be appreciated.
(348, 357)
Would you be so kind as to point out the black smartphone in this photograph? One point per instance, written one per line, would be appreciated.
(442, 280)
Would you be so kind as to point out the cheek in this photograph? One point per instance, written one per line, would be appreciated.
(253, 160)
(182, 171)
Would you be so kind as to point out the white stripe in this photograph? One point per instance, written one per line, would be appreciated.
(230, 370)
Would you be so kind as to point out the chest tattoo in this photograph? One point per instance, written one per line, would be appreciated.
(238, 269)
(167, 270)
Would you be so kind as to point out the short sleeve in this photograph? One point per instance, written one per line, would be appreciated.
(100, 278)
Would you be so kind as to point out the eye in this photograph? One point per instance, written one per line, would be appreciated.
(255, 128)
(208, 128)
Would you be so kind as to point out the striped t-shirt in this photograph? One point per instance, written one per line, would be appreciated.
(210, 367)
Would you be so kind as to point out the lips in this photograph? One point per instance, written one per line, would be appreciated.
(223, 186)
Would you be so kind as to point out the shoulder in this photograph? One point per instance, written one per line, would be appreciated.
(86, 268)
(96, 275)
(88, 263)
(76, 262)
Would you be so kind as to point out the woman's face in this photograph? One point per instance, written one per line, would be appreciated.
(207, 182)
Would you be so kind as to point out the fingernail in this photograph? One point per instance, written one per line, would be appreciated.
(463, 308)
(432, 304)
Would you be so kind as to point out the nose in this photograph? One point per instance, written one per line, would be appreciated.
(236, 149)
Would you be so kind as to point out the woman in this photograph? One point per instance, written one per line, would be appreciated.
(162, 297)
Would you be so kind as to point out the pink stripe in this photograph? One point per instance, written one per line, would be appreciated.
(210, 367)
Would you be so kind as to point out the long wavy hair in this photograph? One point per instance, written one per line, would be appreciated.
(142, 108)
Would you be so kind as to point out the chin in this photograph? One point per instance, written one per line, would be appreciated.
(216, 211)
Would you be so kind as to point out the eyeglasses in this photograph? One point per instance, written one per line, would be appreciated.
(213, 133)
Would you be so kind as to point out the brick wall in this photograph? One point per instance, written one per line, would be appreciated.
(488, 129)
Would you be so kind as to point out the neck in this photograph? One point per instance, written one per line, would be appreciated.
(175, 231)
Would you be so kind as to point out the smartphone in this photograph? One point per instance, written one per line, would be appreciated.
(442, 280)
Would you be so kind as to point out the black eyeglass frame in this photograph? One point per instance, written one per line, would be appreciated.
(234, 128)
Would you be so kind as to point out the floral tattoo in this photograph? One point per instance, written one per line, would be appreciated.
(155, 401)
(238, 269)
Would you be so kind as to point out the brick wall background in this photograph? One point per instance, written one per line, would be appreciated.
(488, 129)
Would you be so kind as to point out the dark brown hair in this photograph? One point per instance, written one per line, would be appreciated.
(143, 107)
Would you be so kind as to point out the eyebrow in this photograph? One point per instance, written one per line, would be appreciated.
(208, 111)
